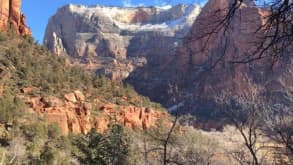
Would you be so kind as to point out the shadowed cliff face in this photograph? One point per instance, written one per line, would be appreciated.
(206, 60)
(12, 18)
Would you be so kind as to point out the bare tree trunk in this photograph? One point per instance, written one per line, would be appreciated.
(10, 9)
(145, 151)
(166, 142)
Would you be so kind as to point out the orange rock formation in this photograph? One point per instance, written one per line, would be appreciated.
(74, 114)
(12, 18)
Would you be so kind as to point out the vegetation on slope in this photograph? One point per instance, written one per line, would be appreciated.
(29, 139)
(26, 64)
(26, 137)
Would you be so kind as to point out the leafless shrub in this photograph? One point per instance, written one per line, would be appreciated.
(277, 28)
(279, 127)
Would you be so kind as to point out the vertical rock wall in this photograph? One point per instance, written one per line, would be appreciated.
(11, 18)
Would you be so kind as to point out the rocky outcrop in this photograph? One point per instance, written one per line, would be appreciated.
(11, 17)
(130, 116)
(74, 115)
(205, 60)
(118, 40)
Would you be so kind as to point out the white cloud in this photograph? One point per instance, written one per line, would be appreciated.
(127, 3)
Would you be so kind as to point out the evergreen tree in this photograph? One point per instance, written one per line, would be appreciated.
(108, 149)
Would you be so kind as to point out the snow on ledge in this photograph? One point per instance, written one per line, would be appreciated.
(116, 13)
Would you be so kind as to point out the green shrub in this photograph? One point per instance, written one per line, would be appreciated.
(11, 108)
(3, 37)
(54, 131)
(109, 148)
(35, 131)
(48, 155)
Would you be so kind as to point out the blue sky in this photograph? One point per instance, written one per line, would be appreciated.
(39, 11)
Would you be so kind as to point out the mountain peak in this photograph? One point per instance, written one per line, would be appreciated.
(113, 25)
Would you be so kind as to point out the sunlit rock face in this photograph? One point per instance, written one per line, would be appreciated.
(116, 40)
(74, 114)
(11, 18)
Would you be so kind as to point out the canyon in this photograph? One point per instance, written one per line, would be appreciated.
(168, 54)
(145, 85)
(165, 53)
(162, 53)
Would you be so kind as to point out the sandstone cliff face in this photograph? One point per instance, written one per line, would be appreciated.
(12, 18)
(116, 41)
(74, 115)
(205, 60)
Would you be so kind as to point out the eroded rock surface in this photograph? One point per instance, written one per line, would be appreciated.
(115, 41)
(74, 115)
(11, 17)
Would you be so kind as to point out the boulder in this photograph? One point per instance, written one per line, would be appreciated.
(27, 90)
(79, 95)
(70, 97)
(51, 101)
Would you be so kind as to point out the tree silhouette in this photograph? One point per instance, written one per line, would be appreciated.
(277, 28)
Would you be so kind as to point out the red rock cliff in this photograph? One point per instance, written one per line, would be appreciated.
(74, 114)
(12, 18)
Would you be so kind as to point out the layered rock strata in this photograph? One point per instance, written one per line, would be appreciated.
(115, 41)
